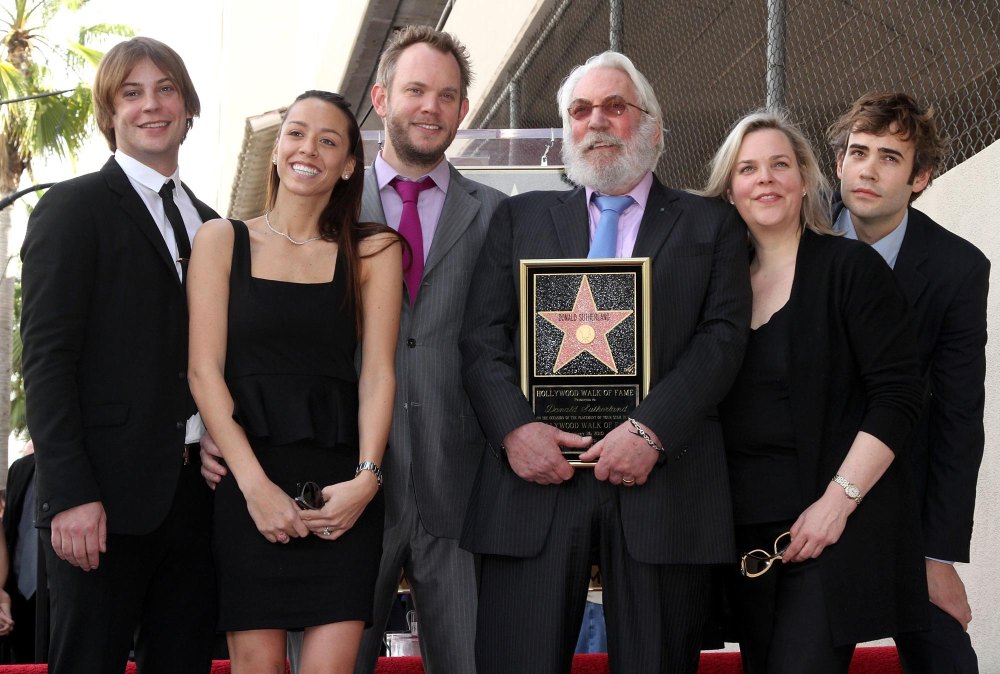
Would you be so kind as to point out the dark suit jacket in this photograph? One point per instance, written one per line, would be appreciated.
(946, 280)
(104, 328)
(19, 477)
(435, 442)
(854, 367)
(700, 318)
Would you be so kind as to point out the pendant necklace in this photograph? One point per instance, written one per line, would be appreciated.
(267, 221)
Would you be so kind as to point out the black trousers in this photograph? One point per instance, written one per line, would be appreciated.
(781, 616)
(530, 610)
(944, 648)
(155, 592)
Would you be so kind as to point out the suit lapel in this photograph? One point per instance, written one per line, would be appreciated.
(371, 202)
(460, 208)
(137, 212)
(912, 254)
(658, 221)
(567, 217)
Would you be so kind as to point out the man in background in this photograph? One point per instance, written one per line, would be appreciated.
(888, 148)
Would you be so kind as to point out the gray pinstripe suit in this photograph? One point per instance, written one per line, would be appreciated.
(435, 442)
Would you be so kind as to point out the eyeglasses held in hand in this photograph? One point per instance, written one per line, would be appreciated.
(758, 562)
(310, 496)
(612, 106)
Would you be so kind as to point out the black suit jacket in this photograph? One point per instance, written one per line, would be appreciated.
(19, 477)
(700, 320)
(104, 327)
(946, 280)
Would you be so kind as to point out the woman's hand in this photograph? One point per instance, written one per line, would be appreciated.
(345, 501)
(274, 512)
(820, 525)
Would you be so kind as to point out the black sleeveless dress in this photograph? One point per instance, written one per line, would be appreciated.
(290, 369)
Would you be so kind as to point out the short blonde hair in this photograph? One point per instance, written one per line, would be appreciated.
(816, 206)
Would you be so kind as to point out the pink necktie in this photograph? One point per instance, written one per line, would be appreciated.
(409, 227)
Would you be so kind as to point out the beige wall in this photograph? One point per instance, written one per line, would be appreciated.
(966, 200)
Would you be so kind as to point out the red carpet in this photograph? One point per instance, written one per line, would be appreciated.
(871, 660)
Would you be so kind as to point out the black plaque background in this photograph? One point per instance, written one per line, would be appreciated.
(585, 397)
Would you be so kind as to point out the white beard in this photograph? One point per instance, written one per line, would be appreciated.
(638, 156)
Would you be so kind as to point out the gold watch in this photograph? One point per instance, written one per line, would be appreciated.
(851, 489)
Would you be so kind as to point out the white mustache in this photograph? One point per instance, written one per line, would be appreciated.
(597, 137)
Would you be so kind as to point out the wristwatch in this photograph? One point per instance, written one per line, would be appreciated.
(850, 488)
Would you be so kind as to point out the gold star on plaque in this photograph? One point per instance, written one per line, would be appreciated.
(585, 328)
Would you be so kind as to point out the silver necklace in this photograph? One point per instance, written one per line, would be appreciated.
(267, 221)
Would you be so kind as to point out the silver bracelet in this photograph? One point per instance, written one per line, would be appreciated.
(643, 434)
(373, 467)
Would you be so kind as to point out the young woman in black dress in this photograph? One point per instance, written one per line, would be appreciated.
(277, 307)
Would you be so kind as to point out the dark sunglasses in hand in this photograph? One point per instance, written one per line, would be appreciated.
(310, 496)
(758, 562)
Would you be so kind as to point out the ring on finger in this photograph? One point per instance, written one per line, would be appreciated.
(326, 531)
(628, 480)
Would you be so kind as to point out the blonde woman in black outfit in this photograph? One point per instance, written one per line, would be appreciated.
(824, 401)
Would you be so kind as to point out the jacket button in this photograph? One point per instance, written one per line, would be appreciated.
(182, 375)
(45, 507)
(411, 342)
(180, 425)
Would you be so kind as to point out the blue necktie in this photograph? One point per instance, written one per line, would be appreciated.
(605, 243)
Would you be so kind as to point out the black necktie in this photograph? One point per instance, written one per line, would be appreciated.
(177, 224)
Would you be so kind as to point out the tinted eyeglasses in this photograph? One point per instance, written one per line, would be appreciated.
(612, 106)
(310, 496)
(758, 562)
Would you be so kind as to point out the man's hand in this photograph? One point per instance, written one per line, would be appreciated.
(947, 591)
(623, 455)
(211, 468)
(533, 452)
(80, 535)
(6, 622)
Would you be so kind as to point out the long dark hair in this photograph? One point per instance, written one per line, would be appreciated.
(339, 221)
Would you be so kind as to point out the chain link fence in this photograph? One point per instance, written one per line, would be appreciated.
(708, 62)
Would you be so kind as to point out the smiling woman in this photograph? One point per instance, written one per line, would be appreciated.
(278, 306)
(827, 393)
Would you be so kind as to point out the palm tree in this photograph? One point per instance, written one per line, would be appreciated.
(36, 121)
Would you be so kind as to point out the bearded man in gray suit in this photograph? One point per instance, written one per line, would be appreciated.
(435, 442)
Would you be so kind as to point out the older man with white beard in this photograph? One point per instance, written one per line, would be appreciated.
(655, 511)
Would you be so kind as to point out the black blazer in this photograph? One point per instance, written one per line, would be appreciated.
(700, 323)
(104, 327)
(854, 367)
(946, 280)
(19, 477)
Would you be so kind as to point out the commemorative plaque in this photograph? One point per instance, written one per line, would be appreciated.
(585, 342)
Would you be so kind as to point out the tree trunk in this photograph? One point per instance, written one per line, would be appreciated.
(6, 325)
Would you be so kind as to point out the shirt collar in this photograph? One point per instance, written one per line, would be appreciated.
(888, 246)
(144, 175)
(384, 173)
(640, 192)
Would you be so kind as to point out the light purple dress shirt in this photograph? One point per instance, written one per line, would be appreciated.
(430, 203)
(628, 224)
